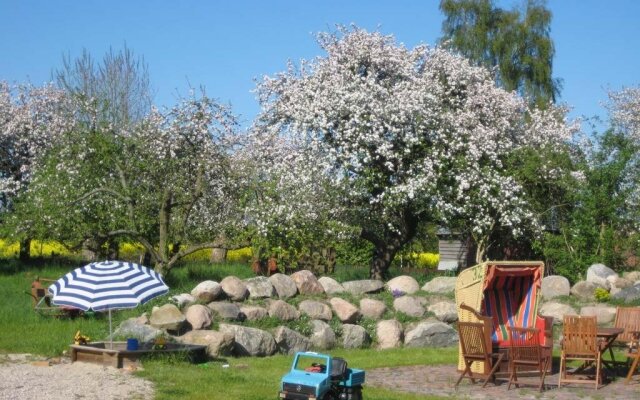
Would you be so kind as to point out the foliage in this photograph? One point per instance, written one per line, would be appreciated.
(404, 137)
(602, 295)
(38, 249)
(517, 44)
(165, 182)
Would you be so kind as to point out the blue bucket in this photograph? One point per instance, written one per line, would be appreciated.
(132, 344)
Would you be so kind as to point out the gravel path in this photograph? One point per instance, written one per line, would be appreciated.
(25, 377)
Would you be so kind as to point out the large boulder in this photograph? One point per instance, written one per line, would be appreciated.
(307, 282)
(346, 312)
(629, 294)
(598, 274)
(285, 286)
(253, 313)
(403, 284)
(136, 328)
(363, 286)
(250, 341)
(323, 337)
(260, 287)
(198, 316)
(604, 314)
(354, 337)
(234, 288)
(283, 311)
(431, 334)
(555, 286)
(167, 317)
(557, 311)
(409, 305)
(389, 333)
(183, 299)
(618, 283)
(289, 341)
(330, 285)
(226, 310)
(440, 284)
(219, 344)
(445, 311)
(315, 310)
(206, 291)
(584, 290)
(633, 276)
(371, 308)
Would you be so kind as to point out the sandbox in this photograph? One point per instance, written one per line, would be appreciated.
(116, 354)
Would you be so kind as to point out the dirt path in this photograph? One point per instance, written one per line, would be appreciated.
(439, 381)
(25, 377)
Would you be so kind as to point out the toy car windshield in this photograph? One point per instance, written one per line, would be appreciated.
(311, 364)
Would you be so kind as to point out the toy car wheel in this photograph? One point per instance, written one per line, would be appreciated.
(329, 396)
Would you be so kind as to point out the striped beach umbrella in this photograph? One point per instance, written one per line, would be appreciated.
(106, 286)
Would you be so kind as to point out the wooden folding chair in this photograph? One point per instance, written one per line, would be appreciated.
(474, 348)
(526, 351)
(580, 342)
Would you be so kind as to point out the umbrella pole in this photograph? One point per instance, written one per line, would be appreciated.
(110, 331)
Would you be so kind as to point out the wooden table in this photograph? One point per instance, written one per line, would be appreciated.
(607, 337)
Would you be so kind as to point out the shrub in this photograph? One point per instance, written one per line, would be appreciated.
(242, 255)
(602, 295)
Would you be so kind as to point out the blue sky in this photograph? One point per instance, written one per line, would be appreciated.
(224, 45)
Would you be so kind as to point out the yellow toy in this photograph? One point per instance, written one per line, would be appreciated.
(81, 339)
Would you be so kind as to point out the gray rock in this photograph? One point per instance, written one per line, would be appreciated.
(226, 310)
(389, 333)
(198, 316)
(557, 311)
(445, 311)
(285, 286)
(431, 334)
(283, 311)
(254, 313)
(250, 341)
(206, 291)
(555, 286)
(315, 310)
(134, 328)
(330, 285)
(323, 337)
(598, 274)
(373, 309)
(183, 299)
(604, 314)
(409, 305)
(219, 344)
(440, 284)
(346, 312)
(289, 341)
(632, 276)
(363, 286)
(260, 287)
(354, 337)
(167, 317)
(234, 288)
(619, 283)
(307, 282)
(584, 290)
(404, 283)
(629, 294)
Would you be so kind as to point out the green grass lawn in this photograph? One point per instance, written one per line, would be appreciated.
(24, 331)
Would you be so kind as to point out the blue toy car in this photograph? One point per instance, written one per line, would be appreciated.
(315, 376)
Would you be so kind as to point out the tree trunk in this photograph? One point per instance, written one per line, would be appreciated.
(164, 216)
(218, 256)
(382, 256)
(25, 249)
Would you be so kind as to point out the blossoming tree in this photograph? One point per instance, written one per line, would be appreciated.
(410, 135)
(31, 121)
(165, 182)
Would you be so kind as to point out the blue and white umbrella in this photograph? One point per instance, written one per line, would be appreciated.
(106, 286)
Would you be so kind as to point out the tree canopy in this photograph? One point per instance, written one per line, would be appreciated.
(516, 43)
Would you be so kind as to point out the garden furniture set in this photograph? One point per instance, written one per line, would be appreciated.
(501, 333)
